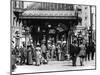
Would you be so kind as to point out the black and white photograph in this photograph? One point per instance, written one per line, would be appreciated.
(52, 37)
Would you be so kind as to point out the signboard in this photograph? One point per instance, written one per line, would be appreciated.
(48, 13)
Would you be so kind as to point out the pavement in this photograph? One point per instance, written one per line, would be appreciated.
(54, 66)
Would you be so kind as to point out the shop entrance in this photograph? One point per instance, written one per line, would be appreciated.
(49, 29)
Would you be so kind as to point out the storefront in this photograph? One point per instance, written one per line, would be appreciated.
(49, 25)
(43, 22)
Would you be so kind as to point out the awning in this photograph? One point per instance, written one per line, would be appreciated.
(35, 14)
(48, 13)
(47, 17)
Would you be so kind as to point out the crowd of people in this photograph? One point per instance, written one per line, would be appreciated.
(39, 53)
(84, 51)
(42, 53)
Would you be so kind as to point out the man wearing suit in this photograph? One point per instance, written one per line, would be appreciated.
(74, 52)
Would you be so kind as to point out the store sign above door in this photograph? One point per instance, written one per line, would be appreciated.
(48, 13)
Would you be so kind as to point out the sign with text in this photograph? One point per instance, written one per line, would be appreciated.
(48, 13)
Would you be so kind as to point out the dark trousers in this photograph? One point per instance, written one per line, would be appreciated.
(74, 60)
(92, 55)
(44, 55)
(87, 57)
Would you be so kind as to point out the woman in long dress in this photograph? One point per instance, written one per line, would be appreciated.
(38, 56)
(82, 53)
(59, 52)
(13, 60)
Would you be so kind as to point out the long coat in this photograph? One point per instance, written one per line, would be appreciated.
(74, 50)
(29, 57)
(64, 51)
(82, 51)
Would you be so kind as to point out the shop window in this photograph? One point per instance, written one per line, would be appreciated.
(21, 4)
(14, 4)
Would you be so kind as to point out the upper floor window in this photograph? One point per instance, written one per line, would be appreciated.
(85, 7)
(18, 4)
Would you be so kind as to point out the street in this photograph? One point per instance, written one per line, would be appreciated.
(54, 66)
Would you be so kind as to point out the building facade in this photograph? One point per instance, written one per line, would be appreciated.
(38, 21)
(16, 26)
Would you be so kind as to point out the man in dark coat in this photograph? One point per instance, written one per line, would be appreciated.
(92, 48)
(74, 50)
(87, 52)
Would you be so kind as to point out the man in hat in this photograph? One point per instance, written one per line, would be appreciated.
(73, 52)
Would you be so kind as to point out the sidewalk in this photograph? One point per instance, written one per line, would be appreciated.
(54, 66)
